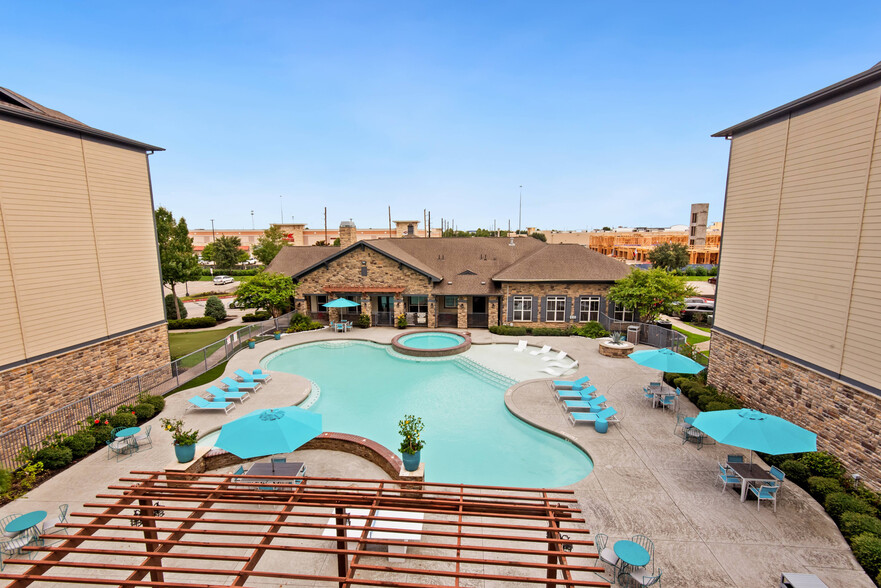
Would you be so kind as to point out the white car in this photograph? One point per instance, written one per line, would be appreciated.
(221, 280)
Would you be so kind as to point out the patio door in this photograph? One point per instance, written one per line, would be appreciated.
(383, 311)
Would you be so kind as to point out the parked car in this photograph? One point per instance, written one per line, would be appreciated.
(221, 280)
(252, 261)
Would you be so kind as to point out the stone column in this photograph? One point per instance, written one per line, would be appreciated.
(399, 309)
(333, 314)
(366, 306)
(300, 306)
(492, 308)
(463, 313)
(432, 312)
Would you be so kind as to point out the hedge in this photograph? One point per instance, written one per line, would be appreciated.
(854, 523)
(199, 322)
(262, 315)
(867, 550)
(537, 331)
(838, 503)
(821, 487)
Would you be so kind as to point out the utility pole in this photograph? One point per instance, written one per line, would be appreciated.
(389, 222)
(252, 220)
(325, 226)
(520, 213)
(281, 204)
(212, 230)
(424, 219)
(429, 224)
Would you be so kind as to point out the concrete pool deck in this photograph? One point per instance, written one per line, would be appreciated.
(645, 481)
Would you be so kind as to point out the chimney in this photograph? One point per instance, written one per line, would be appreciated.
(406, 228)
(348, 233)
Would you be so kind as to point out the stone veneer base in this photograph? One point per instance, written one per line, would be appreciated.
(443, 352)
(845, 418)
(611, 350)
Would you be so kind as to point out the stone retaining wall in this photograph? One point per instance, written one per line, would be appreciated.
(845, 418)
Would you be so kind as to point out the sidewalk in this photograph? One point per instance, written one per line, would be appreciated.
(705, 346)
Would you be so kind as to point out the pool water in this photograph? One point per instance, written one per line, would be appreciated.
(470, 435)
(431, 340)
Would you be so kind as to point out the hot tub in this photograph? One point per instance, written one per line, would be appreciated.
(431, 343)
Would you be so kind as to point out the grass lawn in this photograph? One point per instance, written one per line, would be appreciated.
(183, 343)
(691, 338)
(695, 278)
(697, 326)
(208, 376)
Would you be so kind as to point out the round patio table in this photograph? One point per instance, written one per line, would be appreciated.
(128, 432)
(26, 521)
(631, 553)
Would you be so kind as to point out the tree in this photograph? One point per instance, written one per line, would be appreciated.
(539, 236)
(215, 308)
(208, 252)
(336, 242)
(270, 290)
(607, 228)
(178, 261)
(321, 243)
(226, 251)
(169, 307)
(269, 245)
(669, 256)
(649, 293)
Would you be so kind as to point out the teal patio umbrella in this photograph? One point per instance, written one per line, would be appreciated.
(269, 431)
(666, 361)
(340, 303)
(750, 429)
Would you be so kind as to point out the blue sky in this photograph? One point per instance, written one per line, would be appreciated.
(601, 111)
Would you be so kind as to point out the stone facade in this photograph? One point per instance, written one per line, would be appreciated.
(844, 417)
(492, 309)
(462, 312)
(59, 380)
(572, 290)
(383, 274)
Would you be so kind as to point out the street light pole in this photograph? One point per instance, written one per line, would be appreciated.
(520, 213)
(281, 205)
(252, 220)
(212, 230)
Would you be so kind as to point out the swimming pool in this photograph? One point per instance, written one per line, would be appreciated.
(434, 340)
(470, 435)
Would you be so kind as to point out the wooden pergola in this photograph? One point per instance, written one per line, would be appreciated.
(158, 529)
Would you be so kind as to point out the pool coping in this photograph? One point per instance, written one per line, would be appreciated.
(443, 352)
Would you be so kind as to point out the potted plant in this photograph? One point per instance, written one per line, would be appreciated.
(402, 321)
(364, 320)
(184, 441)
(252, 342)
(410, 429)
(277, 335)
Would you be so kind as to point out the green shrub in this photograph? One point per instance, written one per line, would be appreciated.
(5, 481)
(144, 411)
(717, 405)
(509, 331)
(158, 402)
(299, 319)
(550, 332)
(867, 550)
(123, 419)
(215, 309)
(873, 498)
(854, 523)
(101, 433)
(838, 503)
(713, 271)
(169, 307)
(364, 320)
(80, 443)
(54, 458)
(699, 271)
(821, 487)
(823, 464)
(199, 322)
(795, 470)
(258, 316)
(592, 330)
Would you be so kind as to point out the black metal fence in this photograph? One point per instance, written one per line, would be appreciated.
(67, 419)
(648, 334)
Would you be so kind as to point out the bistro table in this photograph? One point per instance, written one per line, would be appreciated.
(26, 521)
(128, 435)
(262, 468)
(750, 472)
(631, 553)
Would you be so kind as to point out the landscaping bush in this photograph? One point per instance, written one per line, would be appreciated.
(867, 550)
(261, 315)
(509, 331)
(838, 503)
(821, 487)
(699, 271)
(158, 402)
(144, 411)
(101, 433)
(823, 464)
(54, 457)
(199, 322)
(364, 320)
(80, 444)
(795, 470)
(310, 326)
(169, 307)
(550, 332)
(214, 308)
(854, 523)
(123, 419)
(592, 330)
(713, 271)
(5, 481)
(717, 405)
(299, 319)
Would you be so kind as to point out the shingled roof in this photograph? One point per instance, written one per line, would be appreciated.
(16, 105)
(472, 266)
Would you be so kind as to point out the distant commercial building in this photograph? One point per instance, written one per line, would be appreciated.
(798, 309)
(79, 270)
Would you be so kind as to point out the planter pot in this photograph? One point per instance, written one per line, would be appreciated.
(277, 336)
(251, 344)
(185, 453)
(411, 461)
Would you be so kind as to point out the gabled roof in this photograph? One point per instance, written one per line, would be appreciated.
(564, 263)
(865, 78)
(14, 104)
(293, 260)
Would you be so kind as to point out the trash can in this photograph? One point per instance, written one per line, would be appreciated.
(633, 334)
(664, 324)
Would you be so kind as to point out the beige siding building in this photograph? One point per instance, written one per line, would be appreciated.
(798, 310)
(79, 273)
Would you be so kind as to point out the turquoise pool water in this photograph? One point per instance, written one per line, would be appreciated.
(431, 340)
(470, 436)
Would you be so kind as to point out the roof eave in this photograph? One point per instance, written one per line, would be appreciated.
(342, 252)
(844, 86)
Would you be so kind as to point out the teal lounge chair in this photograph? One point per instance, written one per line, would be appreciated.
(579, 384)
(234, 385)
(199, 402)
(583, 394)
(608, 413)
(592, 405)
(218, 395)
(246, 377)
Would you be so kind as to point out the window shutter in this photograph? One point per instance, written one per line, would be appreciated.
(537, 317)
(510, 309)
(568, 309)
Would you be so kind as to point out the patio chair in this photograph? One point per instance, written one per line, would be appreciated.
(116, 430)
(50, 526)
(233, 384)
(558, 357)
(521, 345)
(766, 492)
(606, 554)
(668, 400)
(562, 369)
(143, 439)
(279, 460)
(118, 447)
(585, 394)
(609, 414)
(728, 476)
(13, 546)
(198, 402)
(649, 395)
(646, 544)
(541, 351)
(778, 473)
(246, 377)
(578, 384)
(592, 405)
(642, 578)
(682, 422)
(218, 395)
(736, 458)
